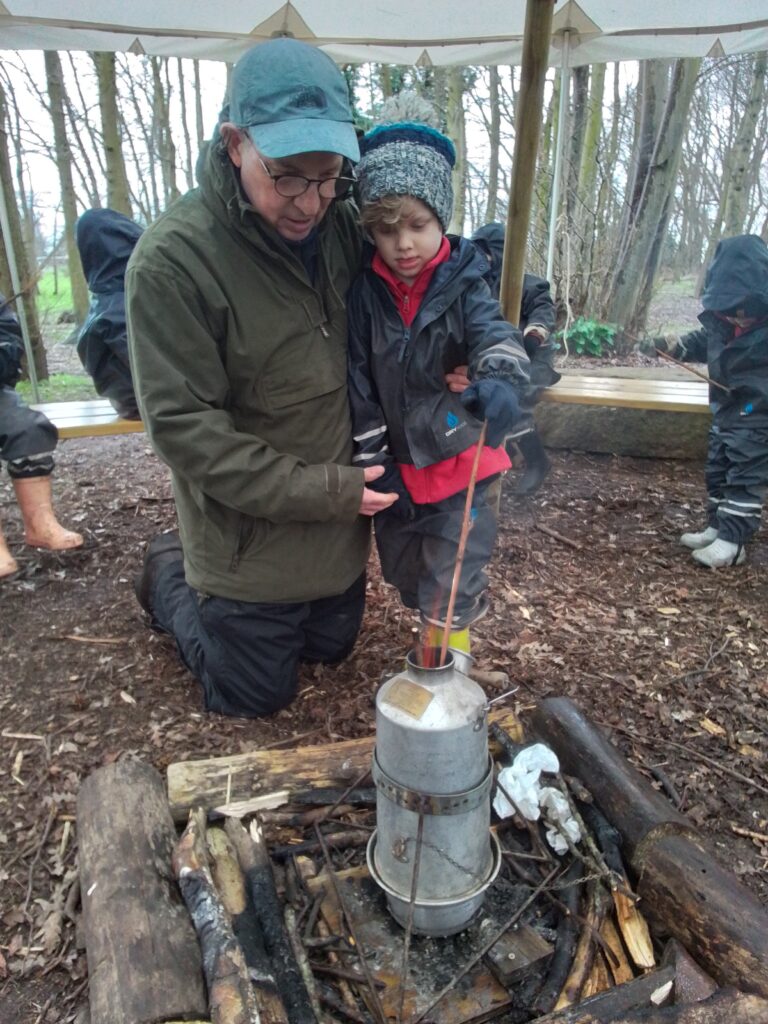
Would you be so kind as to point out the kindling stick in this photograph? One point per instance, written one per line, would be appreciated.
(690, 369)
(462, 544)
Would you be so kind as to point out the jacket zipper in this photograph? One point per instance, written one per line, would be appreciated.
(323, 331)
(404, 344)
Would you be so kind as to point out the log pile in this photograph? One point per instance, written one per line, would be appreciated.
(292, 930)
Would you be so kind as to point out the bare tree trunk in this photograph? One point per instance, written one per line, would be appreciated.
(189, 169)
(199, 126)
(739, 157)
(635, 273)
(118, 193)
(55, 82)
(162, 130)
(494, 141)
(457, 132)
(585, 213)
(26, 274)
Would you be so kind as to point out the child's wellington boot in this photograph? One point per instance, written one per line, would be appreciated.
(720, 553)
(8, 563)
(41, 527)
(694, 541)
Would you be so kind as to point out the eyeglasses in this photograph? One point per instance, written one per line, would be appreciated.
(290, 186)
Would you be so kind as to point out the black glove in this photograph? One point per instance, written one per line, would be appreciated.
(496, 401)
(391, 481)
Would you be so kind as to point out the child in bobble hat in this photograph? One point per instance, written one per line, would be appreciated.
(421, 307)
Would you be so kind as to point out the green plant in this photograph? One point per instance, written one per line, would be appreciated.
(587, 337)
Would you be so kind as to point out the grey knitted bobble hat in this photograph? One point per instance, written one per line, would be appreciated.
(407, 159)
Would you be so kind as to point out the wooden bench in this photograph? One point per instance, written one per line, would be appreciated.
(97, 418)
(680, 395)
(89, 418)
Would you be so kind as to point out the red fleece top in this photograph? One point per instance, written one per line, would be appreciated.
(442, 479)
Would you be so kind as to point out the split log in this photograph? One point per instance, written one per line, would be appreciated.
(254, 860)
(726, 1006)
(230, 996)
(616, 1001)
(230, 883)
(265, 779)
(583, 959)
(143, 957)
(685, 891)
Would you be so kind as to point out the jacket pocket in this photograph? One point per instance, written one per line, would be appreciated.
(251, 535)
(281, 391)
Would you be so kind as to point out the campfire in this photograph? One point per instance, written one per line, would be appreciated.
(272, 905)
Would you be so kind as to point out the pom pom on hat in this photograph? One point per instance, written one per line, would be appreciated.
(408, 158)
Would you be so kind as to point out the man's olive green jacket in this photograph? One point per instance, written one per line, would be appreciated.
(240, 368)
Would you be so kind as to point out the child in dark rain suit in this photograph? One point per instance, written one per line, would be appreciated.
(420, 308)
(733, 341)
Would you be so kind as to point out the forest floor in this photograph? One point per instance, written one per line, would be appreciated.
(592, 598)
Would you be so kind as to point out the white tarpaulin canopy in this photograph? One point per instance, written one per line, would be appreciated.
(412, 32)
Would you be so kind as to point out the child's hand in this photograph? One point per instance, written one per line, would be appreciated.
(458, 381)
(496, 401)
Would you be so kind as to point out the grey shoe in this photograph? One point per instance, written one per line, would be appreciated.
(699, 540)
(720, 553)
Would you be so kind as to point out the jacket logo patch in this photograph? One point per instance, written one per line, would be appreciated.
(454, 424)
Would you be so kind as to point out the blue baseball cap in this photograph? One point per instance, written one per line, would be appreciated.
(292, 99)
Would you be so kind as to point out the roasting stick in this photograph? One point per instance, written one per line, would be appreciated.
(690, 369)
(462, 544)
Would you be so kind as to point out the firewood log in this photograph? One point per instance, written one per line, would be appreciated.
(254, 860)
(726, 1006)
(230, 883)
(685, 891)
(230, 996)
(143, 956)
(597, 906)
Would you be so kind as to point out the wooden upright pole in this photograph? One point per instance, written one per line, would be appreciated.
(536, 42)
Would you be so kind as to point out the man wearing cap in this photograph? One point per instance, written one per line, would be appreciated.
(238, 334)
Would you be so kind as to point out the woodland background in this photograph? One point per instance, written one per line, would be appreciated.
(662, 159)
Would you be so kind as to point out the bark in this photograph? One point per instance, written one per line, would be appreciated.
(27, 278)
(231, 998)
(639, 260)
(724, 1007)
(199, 126)
(161, 129)
(230, 884)
(456, 130)
(255, 864)
(740, 156)
(143, 957)
(118, 193)
(189, 169)
(55, 81)
(494, 141)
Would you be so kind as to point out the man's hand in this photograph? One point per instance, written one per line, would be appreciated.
(373, 502)
(458, 381)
